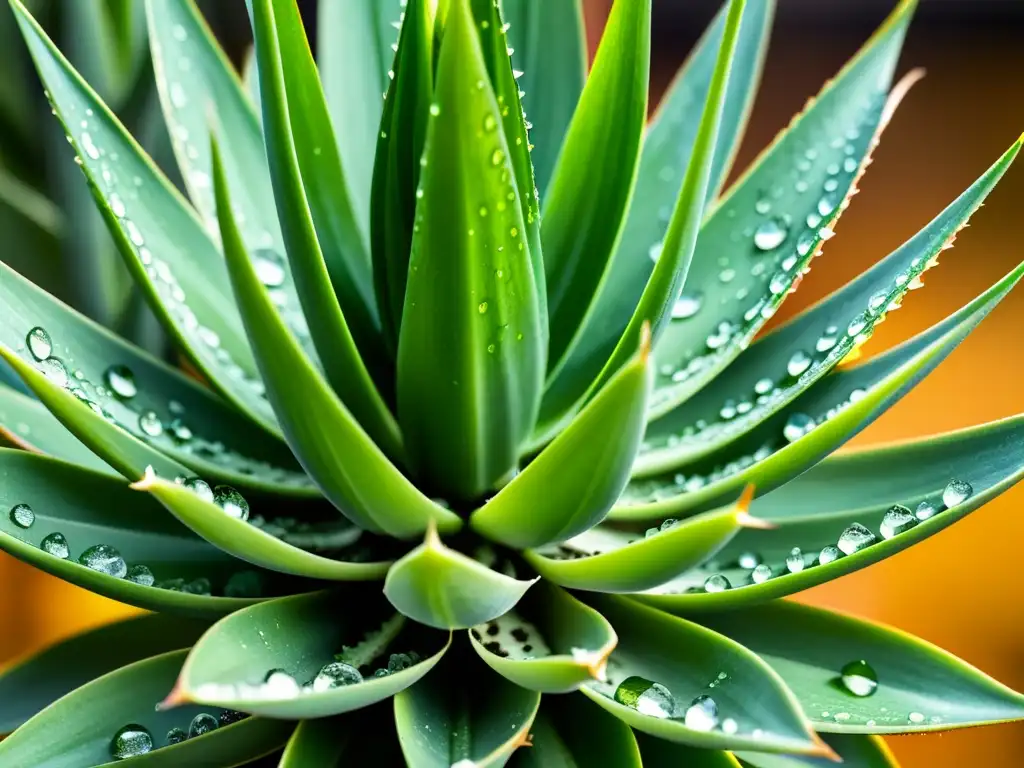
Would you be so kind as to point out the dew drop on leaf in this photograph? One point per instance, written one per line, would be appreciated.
(897, 520)
(200, 488)
(716, 583)
(176, 736)
(859, 678)
(140, 574)
(231, 501)
(686, 306)
(131, 741)
(915, 717)
(202, 724)
(269, 267)
(150, 424)
(855, 538)
(829, 554)
(925, 510)
(121, 381)
(797, 425)
(761, 574)
(104, 559)
(957, 492)
(57, 545)
(335, 675)
(39, 343)
(798, 363)
(770, 235)
(22, 515)
(702, 714)
(795, 560)
(749, 560)
(645, 696)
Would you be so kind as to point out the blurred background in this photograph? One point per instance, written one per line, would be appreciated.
(958, 589)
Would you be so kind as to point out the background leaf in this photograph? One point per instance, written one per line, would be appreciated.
(570, 731)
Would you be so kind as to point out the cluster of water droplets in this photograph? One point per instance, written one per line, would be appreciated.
(778, 246)
(856, 537)
(134, 740)
(654, 699)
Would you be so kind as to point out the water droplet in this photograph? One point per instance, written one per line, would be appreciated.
(687, 306)
(763, 206)
(200, 488)
(22, 515)
(828, 555)
(54, 370)
(855, 538)
(654, 252)
(925, 510)
(105, 559)
(795, 560)
(335, 675)
(39, 343)
(121, 381)
(702, 714)
(176, 736)
(826, 205)
(770, 235)
(131, 741)
(140, 574)
(150, 424)
(764, 386)
(202, 724)
(761, 574)
(727, 275)
(797, 425)
(435, 109)
(716, 583)
(55, 544)
(798, 363)
(915, 717)
(859, 678)
(645, 696)
(858, 324)
(482, 307)
(231, 501)
(269, 266)
(729, 726)
(956, 492)
(490, 123)
(827, 340)
(897, 520)
(497, 156)
(749, 560)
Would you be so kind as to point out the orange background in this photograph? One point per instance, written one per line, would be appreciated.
(958, 589)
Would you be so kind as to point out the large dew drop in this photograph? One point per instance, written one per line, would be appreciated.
(55, 544)
(202, 724)
(761, 574)
(855, 538)
(716, 583)
(22, 515)
(897, 520)
(828, 555)
(105, 559)
(231, 501)
(859, 678)
(131, 741)
(278, 684)
(140, 574)
(702, 714)
(39, 343)
(957, 492)
(176, 736)
(797, 425)
(121, 381)
(770, 235)
(335, 675)
(687, 306)
(200, 488)
(645, 696)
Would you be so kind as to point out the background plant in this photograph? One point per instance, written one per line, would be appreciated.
(436, 585)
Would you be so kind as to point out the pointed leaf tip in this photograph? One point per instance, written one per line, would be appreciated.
(743, 517)
(645, 340)
(147, 480)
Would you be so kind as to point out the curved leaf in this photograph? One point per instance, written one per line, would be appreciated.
(596, 359)
(247, 541)
(195, 79)
(919, 686)
(185, 424)
(74, 510)
(481, 721)
(366, 737)
(25, 423)
(778, 225)
(396, 169)
(315, 213)
(550, 642)
(855, 752)
(466, 406)
(857, 489)
(355, 51)
(659, 753)
(753, 709)
(440, 587)
(570, 732)
(570, 486)
(34, 683)
(161, 239)
(550, 48)
(606, 559)
(340, 457)
(811, 345)
(79, 728)
(842, 404)
(299, 636)
(593, 181)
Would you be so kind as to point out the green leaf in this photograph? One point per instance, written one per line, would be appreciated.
(246, 541)
(606, 559)
(195, 80)
(161, 239)
(78, 729)
(188, 426)
(550, 48)
(340, 457)
(25, 423)
(309, 187)
(571, 485)
(75, 510)
(251, 83)
(570, 732)
(919, 687)
(812, 511)
(396, 170)
(840, 405)
(355, 52)
(765, 714)
(593, 181)
(441, 587)
(659, 753)
(855, 751)
(481, 721)
(550, 642)
(467, 405)
(33, 683)
(300, 636)
(605, 338)
(812, 344)
(365, 737)
(778, 225)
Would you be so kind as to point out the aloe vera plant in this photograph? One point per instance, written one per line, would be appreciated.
(479, 457)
